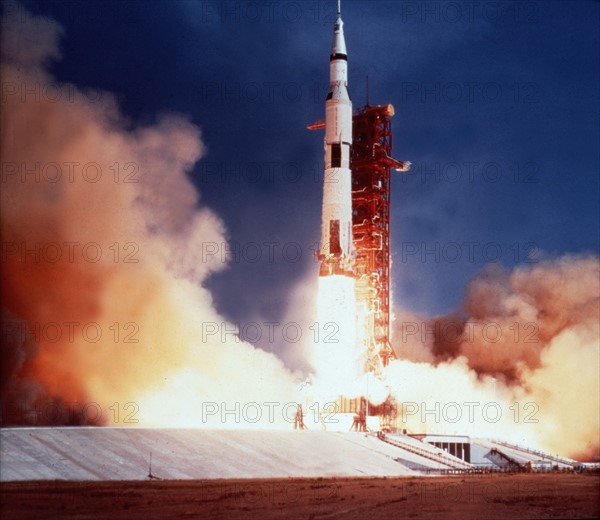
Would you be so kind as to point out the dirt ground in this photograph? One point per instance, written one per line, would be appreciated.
(500, 496)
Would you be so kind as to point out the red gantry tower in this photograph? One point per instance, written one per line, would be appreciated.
(371, 172)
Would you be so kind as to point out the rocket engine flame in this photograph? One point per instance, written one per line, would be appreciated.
(336, 357)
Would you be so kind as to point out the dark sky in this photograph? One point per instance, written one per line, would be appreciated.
(497, 107)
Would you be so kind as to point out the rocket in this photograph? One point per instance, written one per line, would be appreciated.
(336, 252)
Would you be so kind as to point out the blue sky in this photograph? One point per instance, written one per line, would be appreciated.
(496, 107)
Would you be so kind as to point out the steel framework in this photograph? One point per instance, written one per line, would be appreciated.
(371, 169)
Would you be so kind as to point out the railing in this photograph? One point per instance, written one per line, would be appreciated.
(503, 455)
(469, 471)
(555, 458)
(436, 457)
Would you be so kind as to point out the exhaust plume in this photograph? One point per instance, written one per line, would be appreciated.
(526, 336)
(103, 258)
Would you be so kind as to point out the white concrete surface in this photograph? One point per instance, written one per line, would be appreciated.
(123, 454)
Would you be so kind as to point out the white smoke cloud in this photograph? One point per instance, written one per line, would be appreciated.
(527, 340)
(116, 202)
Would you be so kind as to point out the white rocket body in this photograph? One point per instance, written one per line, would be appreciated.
(336, 251)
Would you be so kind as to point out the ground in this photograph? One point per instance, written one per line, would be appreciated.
(502, 496)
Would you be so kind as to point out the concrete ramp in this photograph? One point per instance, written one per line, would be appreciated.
(522, 456)
(124, 453)
(424, 450)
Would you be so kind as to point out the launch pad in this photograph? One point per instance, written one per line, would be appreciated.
(103, 453)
